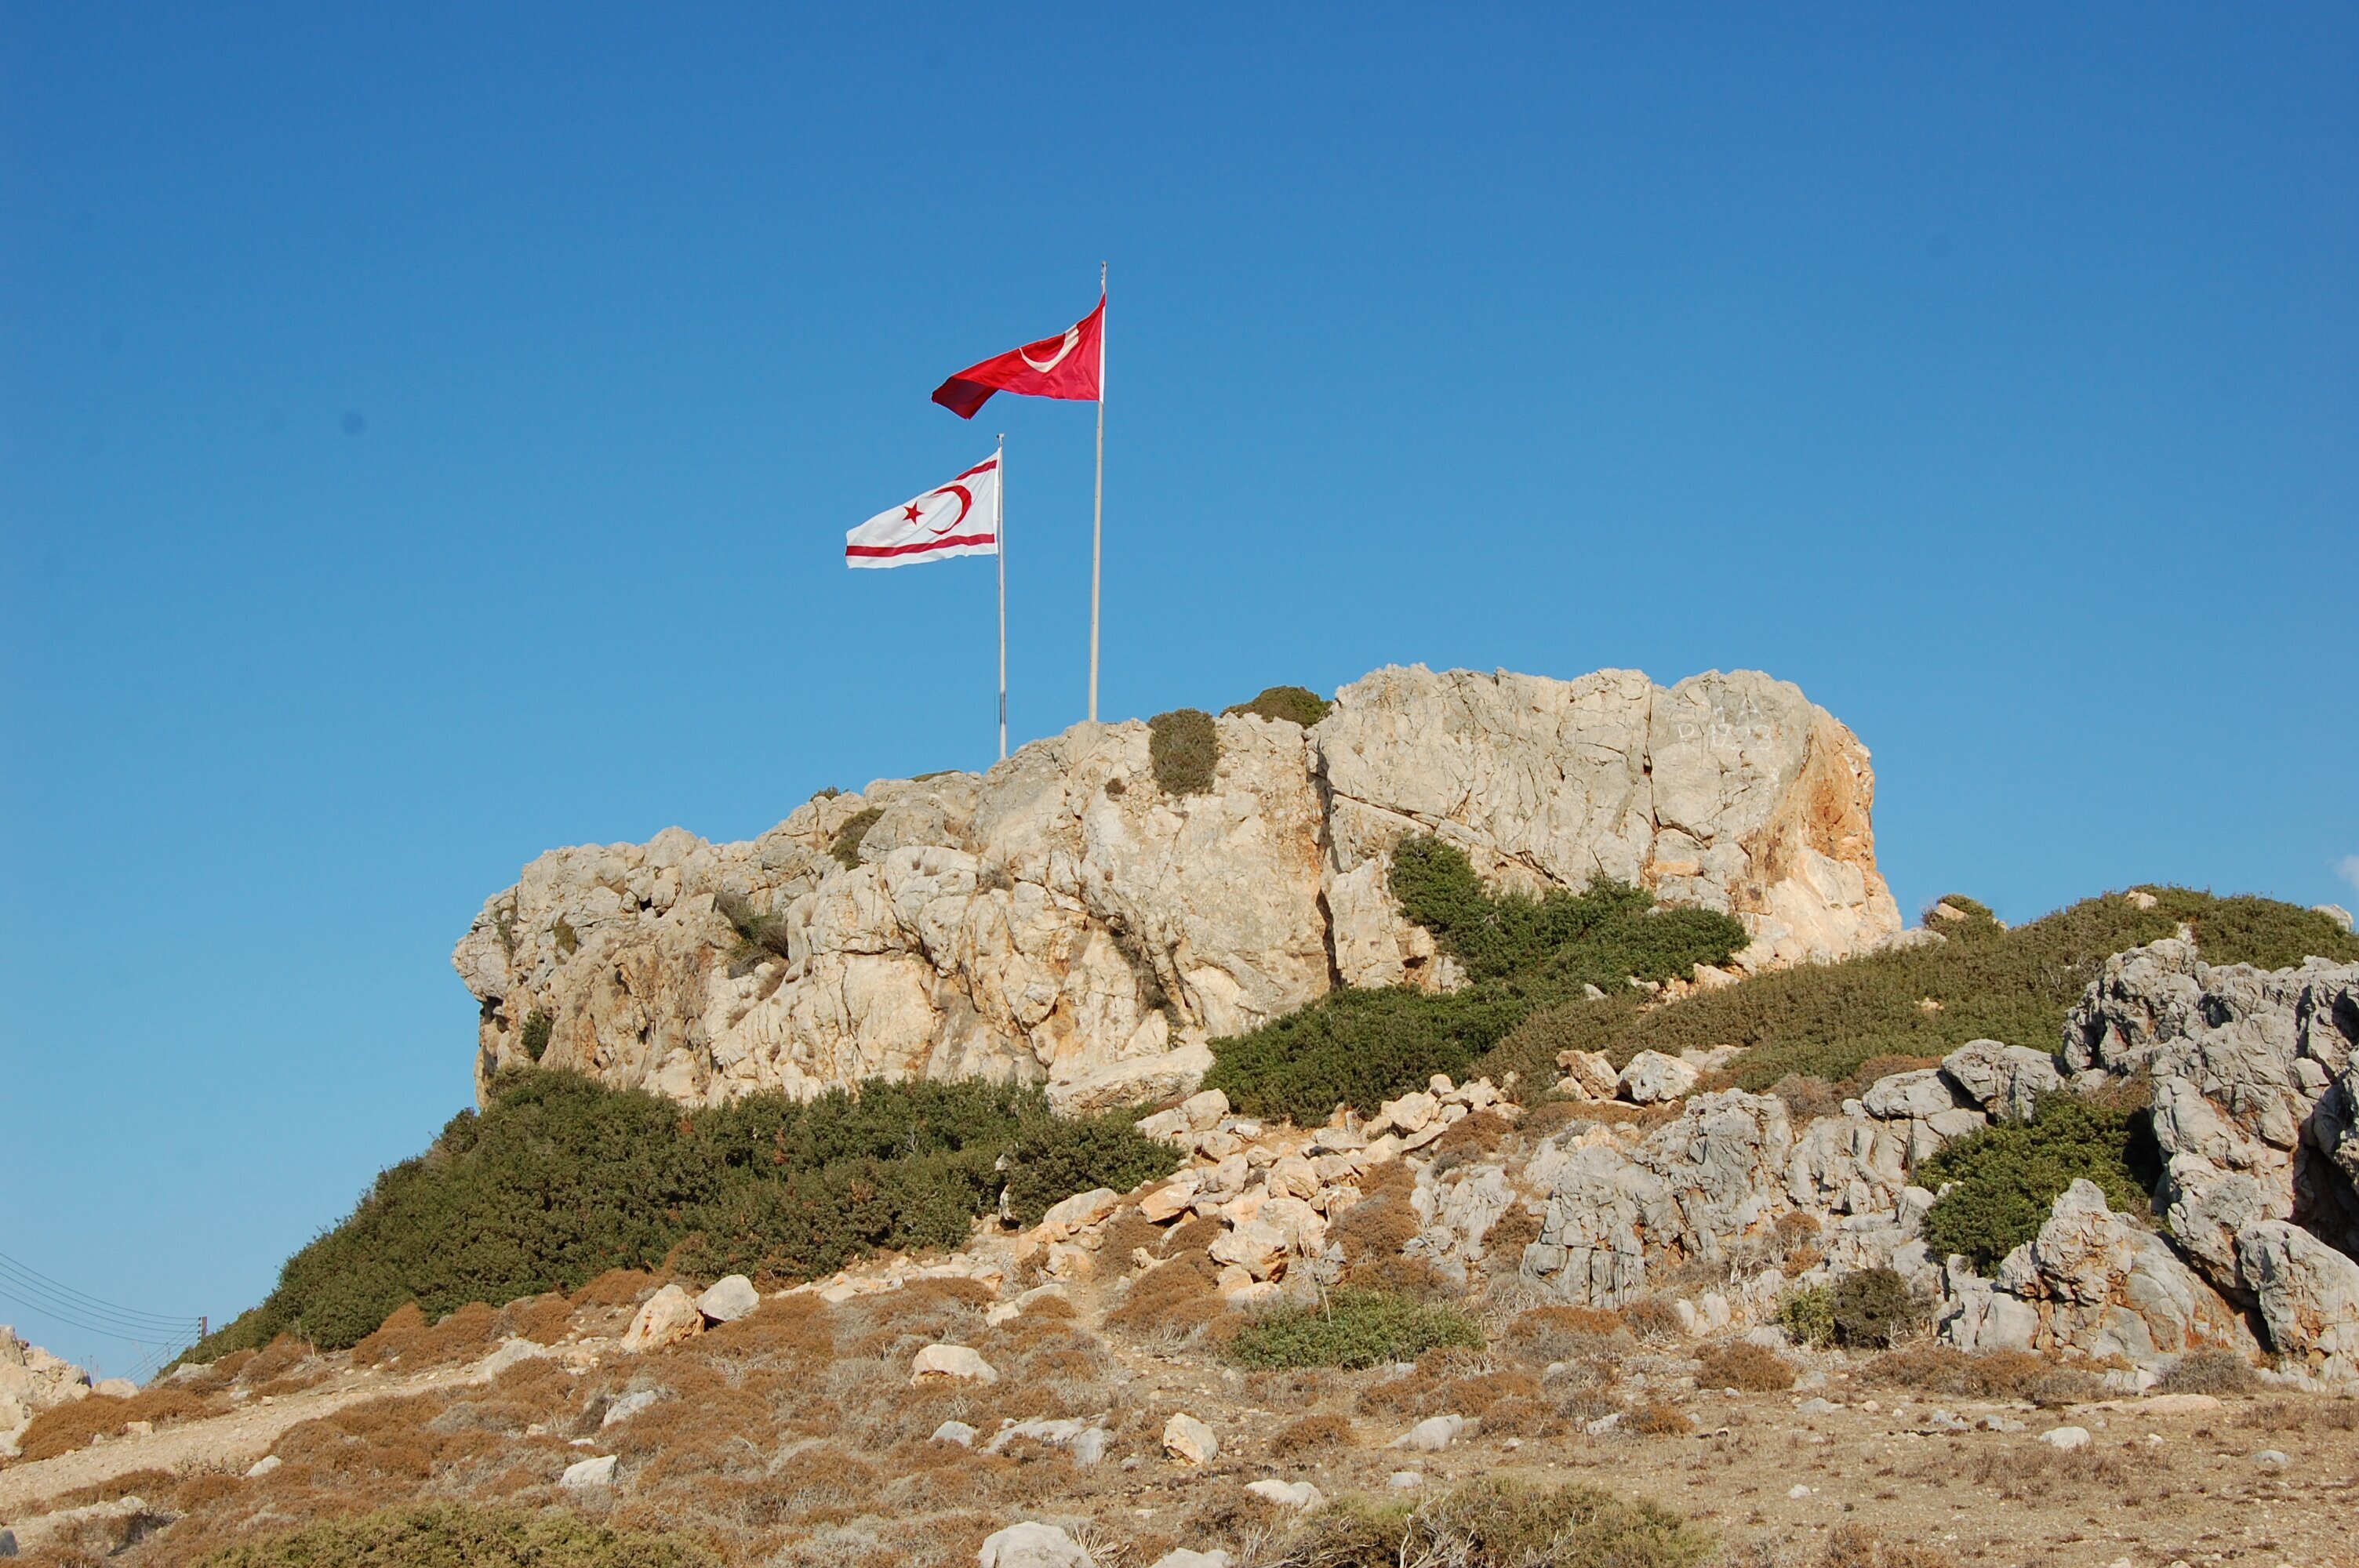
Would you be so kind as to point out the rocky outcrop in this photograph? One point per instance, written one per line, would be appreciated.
(1689, 1191)
(32, 1381)
(2093, 1283)
(1061, 919)
(2252, 1075)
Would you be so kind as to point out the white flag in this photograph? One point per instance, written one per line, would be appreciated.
(961, 518)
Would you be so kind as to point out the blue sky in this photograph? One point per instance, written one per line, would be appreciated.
(427, 435)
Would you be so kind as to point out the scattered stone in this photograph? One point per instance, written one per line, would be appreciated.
(7, 1543)
(1430, 1435)
(952, 1361)
(2004, 1080)
(956, 1431)
(669, 1318)
(1797, 1490)
(1995, 1423)
(1405, 1480)
(1652, 1078)
(1290, 1494)
(1092, 1445)
(1190, 1441)
(1909, 1097)
(2065, 1439)
(1603, 1424)
(729, 1299)
(2180, 1404)
(2271, 1459)
(1817, 1407)
(585, 1474)
(514, 1351)
(1588, 1075)
(262, 1466)
(629, 1405)
(1033, 1545)
(116, 1388)
(1181, 1557)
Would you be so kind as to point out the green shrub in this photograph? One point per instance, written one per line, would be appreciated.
(1872, 1307)
(561, 1179)
(536, 1025)
(1500, 1521)
(449, 1535)
(1182, 747)
(1808, 1316)
(1362, 1047)
(847, 845)
(1295, 704)
(1352, 1328)
(2008, 1177)
(1823, 1020)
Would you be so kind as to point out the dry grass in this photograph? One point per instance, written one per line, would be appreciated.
(1312, 1435)
(1172, 1304)
(1745, 1365)
(64, 1428)
(1986, 1375)
(2210, 1372)
(1654, 1319)
(1658, 1418)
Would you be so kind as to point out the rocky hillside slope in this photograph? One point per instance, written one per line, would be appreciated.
(1070, 917)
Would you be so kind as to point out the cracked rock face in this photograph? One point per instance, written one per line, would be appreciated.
(1060, 920)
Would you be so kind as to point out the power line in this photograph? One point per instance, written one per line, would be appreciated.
(29, 1288)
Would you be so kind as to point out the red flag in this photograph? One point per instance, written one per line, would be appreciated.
(1067, 365)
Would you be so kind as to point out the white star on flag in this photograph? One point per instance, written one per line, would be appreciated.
(961, 518)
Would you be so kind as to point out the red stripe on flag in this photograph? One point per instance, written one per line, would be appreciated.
(919, 549)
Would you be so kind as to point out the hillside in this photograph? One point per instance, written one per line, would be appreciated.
(1602, 1234)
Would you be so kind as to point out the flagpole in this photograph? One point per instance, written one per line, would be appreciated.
(1097, 525)
(999, 544)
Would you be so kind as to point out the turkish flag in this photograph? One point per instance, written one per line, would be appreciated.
(1071, 364)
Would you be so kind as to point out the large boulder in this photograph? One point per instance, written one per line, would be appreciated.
(32, 1381)
(1062, 920)
(2309, 1296)
(2002, 1080)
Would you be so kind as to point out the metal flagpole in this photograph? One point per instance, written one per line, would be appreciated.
(1097, 526)
(999, 543)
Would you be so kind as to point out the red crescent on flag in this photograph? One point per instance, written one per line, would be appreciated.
(1064, 346)
(966, 505)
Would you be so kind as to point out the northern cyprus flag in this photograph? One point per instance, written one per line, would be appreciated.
(961, 518)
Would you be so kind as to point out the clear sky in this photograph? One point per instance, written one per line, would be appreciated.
(427, 434)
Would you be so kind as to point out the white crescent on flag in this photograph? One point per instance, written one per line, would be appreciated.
(961, 518)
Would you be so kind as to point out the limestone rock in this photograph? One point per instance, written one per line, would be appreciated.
(669, 1317)
(1190, 1441)
(1697, 1183)
(1431, 1435)
(1059, 920)
(32, 1381)
(589, 1474)
(957, 1361)
(1588, 1076)
(2251, 1112)
(2004, 1080)
(956, 1431)
(2098, 1285)
(2309, 1296)
(729, 1299)
(1181, 1557)
(1033, 1545)
(1290, 1494)
(1652, 1078)
(2065, 1439)
(629, 1405)
(1909, 1097)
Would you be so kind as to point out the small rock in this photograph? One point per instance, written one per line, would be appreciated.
(116, 1388)
(1204, 1111)
(1797, 1490)
(1058, 1433)
(7, 1543)
(2001, 1423)
(1033, 1545)
(628, 1406)
(1405, 1480)
(1603, 1424)
(952, 1361)
(583, 1475)
(2180, 1404)
(1290, 1494)
(1652, 1078)
(2064, 1439)
(670, 1317)
(1817, 1407)
(1092, 1445)
(1430, 1435)
(1181, 1557)
(2271, 1459)
(1190, 1441)
(262, 1466)
(729, 1299)
(956, 1431)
